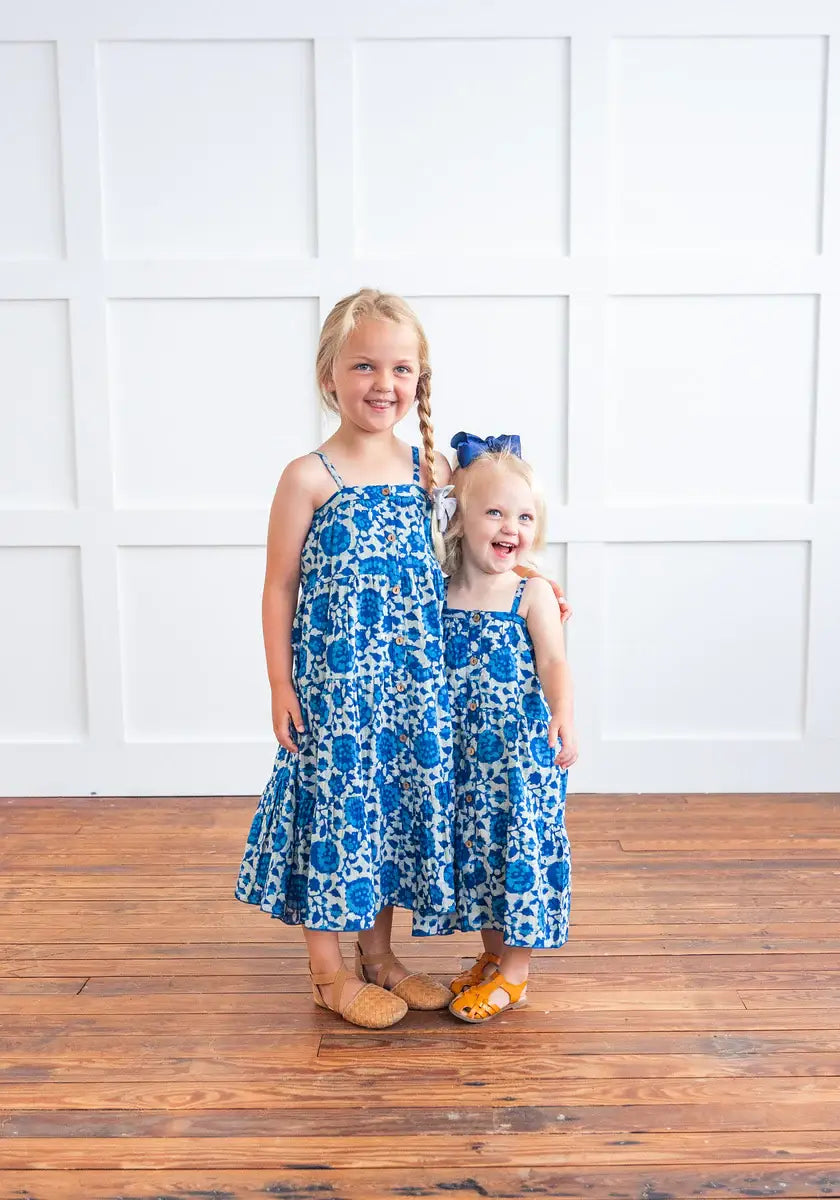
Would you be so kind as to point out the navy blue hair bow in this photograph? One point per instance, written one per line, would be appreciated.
(469, 446)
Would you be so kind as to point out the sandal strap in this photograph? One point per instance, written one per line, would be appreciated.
(481, 993)
(488, 958)
(381, 963)
(475, 973)
(335, 983)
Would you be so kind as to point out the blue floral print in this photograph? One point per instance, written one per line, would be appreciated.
(512, 861)
(361, 818)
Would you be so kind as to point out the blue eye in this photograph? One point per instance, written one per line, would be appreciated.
(493, 512)
(526, 516)
(362, 367)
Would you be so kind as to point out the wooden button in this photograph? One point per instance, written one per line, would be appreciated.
(468, 845)
(399, 639)
(392, 537)
(386, 491)
(400, 687)
(396, 589)
(473, 705)
(473, 661)
(471, 751)
(403, 737)
(469, 798)
(476, 617)
(405, 785)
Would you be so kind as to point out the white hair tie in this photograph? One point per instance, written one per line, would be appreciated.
(444, 505)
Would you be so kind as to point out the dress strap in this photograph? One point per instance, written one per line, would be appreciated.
(520, 588)
(415, 458)
(336, 477)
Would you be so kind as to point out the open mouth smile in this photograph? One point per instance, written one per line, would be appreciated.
(504, 548)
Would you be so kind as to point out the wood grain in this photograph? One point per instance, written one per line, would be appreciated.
(708, 1182)
(157, 1039)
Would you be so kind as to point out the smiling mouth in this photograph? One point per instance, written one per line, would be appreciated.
(504, 548)
(380, 405)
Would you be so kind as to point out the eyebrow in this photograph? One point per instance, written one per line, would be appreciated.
(373, 358)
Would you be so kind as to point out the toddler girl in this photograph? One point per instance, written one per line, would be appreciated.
(511, 698)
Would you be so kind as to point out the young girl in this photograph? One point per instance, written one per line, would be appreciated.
(511, 699)
(356, 817)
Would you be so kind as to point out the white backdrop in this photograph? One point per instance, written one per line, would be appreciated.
(620, 226)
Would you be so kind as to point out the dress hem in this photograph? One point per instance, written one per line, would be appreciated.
(464, 927)
(295, 917)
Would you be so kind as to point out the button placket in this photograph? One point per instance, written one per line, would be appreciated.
(473, 708)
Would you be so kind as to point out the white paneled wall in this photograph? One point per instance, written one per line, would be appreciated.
(619, 225)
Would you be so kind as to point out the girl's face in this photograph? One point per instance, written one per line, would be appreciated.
(499, 520)
(376, 373)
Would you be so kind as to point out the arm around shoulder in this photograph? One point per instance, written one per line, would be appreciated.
(443, 471)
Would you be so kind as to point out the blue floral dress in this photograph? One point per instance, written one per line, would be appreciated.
(512, 861)
(361, 818)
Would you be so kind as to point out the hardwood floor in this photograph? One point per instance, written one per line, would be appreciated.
(158, 1039)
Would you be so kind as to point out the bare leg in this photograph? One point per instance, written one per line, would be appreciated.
(514, 964)
(493, 941)
(325, 959)
(516, 961)
(378, 941)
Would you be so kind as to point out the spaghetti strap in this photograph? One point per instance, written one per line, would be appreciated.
(336, 477)
(415, 458)
(520, 588)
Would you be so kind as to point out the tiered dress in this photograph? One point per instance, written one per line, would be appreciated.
(361, 818)
(512, 860)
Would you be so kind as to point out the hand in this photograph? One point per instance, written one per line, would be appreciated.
(565, 607)
(285, 715)
(566, 732)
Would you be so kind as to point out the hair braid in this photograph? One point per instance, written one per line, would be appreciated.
(424, 417)
(427, 432)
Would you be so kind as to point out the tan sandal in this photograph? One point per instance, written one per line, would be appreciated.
(474, 1004)
(476, 972)
(372, 1007)
(418, 991)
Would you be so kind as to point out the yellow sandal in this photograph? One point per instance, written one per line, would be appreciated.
(474, 1004)
(475, 974)
(372, 1007)
(418, 991)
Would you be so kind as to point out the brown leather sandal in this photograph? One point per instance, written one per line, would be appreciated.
(418, 991)
(475, 974)
(373, 1007)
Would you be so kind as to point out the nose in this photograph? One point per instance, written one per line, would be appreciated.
(381, 382)
(508, 526)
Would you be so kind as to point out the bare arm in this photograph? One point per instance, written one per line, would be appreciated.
(545, 626)
(288, 524)
(443, 471)
(559, 594)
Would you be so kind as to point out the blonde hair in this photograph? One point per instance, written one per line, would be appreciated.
(369, 304)
(463, 479)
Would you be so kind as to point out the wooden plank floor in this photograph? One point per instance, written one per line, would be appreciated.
(157, 1039)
